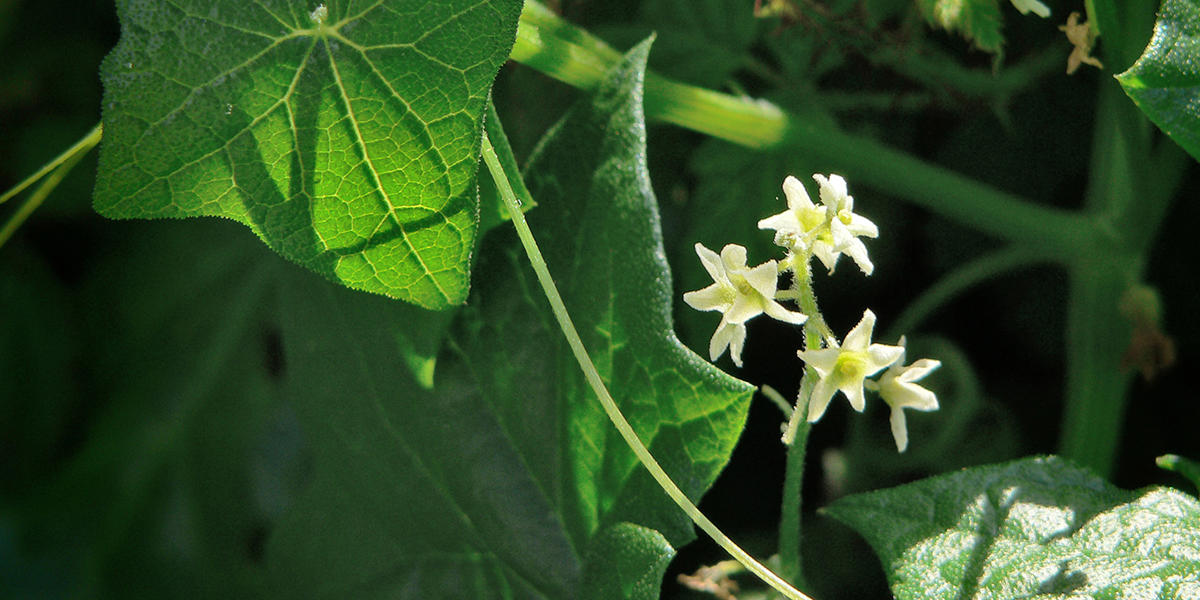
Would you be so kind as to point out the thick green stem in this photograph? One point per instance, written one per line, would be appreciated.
(1097, 334)
(573, 56)
(597, 385)
(1097, 385)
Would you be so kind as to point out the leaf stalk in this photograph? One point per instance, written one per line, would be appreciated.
(610, 407)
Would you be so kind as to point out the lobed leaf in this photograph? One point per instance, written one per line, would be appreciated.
(1034, 528)
(506, 479)
(347, 140)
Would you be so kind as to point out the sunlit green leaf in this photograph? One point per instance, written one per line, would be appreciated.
(345, 135)
(506, 479)
(1165, 81)
(1038, 527)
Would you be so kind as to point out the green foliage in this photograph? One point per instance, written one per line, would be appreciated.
(349, 145)
(1165, 81)
(626, 561)
(1035, 527)
(977, 20)
(175, 481)
(506, 478)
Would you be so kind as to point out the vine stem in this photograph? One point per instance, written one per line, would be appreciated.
(51, 174)
(610, 406)
(82, 146)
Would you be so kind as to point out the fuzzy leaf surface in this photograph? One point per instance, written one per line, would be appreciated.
(348, 142)
(1034, 528)
(1165, 81)
(506, 480)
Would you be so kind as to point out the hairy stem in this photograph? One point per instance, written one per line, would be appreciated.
(597, 385)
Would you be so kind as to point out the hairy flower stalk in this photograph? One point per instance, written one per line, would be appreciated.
(825, 230)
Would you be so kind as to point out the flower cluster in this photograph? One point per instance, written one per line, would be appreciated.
(740, 293)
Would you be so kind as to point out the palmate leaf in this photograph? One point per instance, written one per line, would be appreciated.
(346, 136)
(506, 480)
(1034, 528)
(1165, 81)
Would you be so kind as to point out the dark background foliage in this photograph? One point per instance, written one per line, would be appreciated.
(1002, 341)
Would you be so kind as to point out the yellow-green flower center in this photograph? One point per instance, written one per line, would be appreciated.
(740, 284)
(811, 218)
(851, 366)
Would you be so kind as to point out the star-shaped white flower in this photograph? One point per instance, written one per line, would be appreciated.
(898, 387)
(844, 368)
(829, 229)
(1027, 6)
(740, 293)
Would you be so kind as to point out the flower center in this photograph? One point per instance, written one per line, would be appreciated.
(850, 366)
(740, 284)
(811, 218)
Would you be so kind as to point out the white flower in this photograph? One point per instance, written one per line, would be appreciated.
(897, 386)
(740, 293)
(844, 368)
(1026, 6)
(828, 230)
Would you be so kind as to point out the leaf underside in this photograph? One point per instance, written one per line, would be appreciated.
(348, 145)
(1034, 528)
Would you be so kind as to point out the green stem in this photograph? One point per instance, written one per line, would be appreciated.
(1097, 385)
(548, 44)
(796, 436)
(597, 385)
(82, 146)
(54, 172)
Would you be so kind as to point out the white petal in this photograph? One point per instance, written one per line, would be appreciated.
(797, 196)
(833, 190)
(882, 356)
(854, 393)
(862, 226)
(736, 343)
(776, 310)
(919, 369)
(917, 397)
(785, 221)
(1025, 6)
(713, 297)
(859, 338)
(744, 308)
(824, 252)
(856, 250)
(899, 429)
(764, 278)
(734, 257)
(823, 360)
(822, 394)
(711, 262)
(720, 340)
